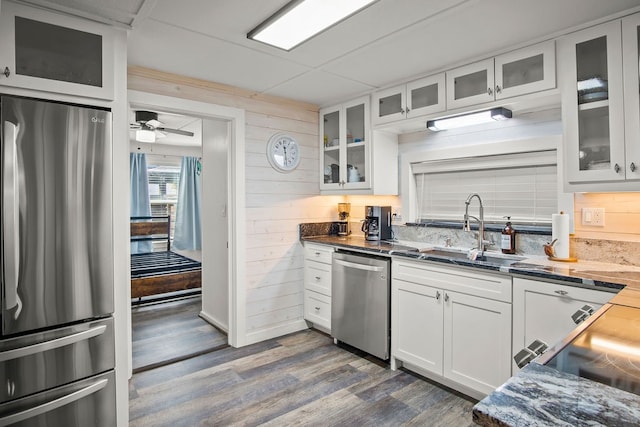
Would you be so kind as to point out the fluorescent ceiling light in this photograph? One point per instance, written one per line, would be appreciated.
(469, 119)
(145, 135)
(299, 20)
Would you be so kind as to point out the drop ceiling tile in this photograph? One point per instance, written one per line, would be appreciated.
(320, 88)
(163, 47)
(478, 29)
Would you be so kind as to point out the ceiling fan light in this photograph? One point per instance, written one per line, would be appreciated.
(145, 135)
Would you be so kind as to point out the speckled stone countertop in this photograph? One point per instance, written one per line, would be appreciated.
(542, 396)
(612, 277)
(539, 395)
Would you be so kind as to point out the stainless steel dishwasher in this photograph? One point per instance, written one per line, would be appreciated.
(360, 296)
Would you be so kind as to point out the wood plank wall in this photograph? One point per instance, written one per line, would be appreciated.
(275, 203)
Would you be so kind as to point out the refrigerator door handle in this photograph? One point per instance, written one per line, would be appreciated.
(52, 344)
(54, 404)
(11, 218)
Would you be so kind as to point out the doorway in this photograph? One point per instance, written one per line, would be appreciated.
(222, 139)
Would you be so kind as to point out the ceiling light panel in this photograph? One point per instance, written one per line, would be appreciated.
(300, 20)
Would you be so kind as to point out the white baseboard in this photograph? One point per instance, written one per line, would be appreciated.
(278, 331)
(215, 322)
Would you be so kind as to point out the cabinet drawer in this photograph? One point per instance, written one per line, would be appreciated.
(317, 277)
(318, 253)
(463, 280)
(317, 309)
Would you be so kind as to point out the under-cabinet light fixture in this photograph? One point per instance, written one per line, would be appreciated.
(470, 119)
(299, 20)
(145, 135)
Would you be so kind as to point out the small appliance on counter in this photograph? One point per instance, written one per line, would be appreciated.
(343, 214)
(377, 223)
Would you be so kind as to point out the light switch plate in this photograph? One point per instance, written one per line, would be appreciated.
(593, 217)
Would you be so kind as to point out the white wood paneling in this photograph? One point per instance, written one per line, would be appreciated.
(276, 203)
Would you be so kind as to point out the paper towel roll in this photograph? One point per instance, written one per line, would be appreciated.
(560, 231)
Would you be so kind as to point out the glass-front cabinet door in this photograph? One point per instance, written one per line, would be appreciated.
(631, 69)
(426, 96)
(345, 157)
(592, 103)
(389, 105)
(526, 70)
(471, 84)
(55, 53)
(330, 130)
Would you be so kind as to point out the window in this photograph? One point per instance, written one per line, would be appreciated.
(163, 173)
(522, 186)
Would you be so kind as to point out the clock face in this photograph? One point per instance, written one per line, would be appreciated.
(283, 152)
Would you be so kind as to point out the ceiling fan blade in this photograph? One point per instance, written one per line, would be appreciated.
(176, 131)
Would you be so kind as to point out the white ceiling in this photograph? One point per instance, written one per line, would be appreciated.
(391, 41)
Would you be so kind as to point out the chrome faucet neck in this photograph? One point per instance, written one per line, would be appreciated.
(480, 220)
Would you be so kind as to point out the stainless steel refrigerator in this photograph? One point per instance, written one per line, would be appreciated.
(57, 343)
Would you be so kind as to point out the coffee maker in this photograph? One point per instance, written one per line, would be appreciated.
(343, 214)
(377, 223)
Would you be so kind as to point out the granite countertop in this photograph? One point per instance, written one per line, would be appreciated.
(538, 394)
(542, 396)
(625, 280)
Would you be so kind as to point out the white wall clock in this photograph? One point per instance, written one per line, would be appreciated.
(283, 152)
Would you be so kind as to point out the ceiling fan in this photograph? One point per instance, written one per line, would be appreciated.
(148, 127)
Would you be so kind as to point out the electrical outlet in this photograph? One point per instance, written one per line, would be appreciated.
(593, 217)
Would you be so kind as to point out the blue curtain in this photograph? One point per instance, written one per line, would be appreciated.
(188, 234)
(140, 205)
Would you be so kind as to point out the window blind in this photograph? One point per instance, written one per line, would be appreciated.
(522, 186)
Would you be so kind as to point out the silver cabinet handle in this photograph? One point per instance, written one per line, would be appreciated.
(317, 308)
(498, 89)
(54, 404)
(358, 266)
(561, 292)
(530, 352)
(11, 218)
(582, 314)
(317, 253)
(6, 72)
(446, 296)
(318, 278)
(438, 295)
(632, 166)
(616, 168)
(489, 91)
(52, 344)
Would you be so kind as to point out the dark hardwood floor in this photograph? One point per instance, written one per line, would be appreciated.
(170, 331)
(300, 379)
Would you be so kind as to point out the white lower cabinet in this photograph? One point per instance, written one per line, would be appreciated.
(545, 311)
(458, 338)
(317, 285)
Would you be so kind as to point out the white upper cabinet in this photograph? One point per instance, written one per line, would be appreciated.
(353, 159)
(414, 99)
(471, 84)
(50, 52)
(344, 163)
(631, 78)
(600, 106)
(524, 71)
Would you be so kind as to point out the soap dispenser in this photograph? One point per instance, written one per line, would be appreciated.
(508, 242)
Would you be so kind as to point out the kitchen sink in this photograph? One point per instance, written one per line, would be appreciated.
(456, 254)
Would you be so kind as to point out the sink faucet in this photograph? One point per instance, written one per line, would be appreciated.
(467, 226)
